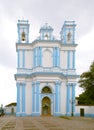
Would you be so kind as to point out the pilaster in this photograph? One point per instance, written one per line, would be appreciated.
(74, 59)
(68, 100)
(37, 96)
(68, 59)
(33, 97)
(57, 98)
(21, 99)
(23, 58)
(73, 97)
(18, 58)
(18, 97)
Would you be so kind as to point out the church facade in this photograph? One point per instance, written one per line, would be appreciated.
(46, 73)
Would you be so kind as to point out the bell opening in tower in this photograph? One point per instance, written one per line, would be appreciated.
(23, 36)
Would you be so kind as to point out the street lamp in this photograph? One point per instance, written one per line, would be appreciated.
(72, 101)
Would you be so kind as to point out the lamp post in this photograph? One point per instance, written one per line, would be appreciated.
(72, 101)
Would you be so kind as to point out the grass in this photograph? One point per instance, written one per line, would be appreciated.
(65, 117)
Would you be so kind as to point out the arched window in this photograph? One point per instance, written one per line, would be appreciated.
(46, 90)
(23, 36)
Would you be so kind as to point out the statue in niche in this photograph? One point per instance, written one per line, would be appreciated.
(69, 36)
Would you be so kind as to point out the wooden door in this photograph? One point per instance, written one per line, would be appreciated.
(46, 106)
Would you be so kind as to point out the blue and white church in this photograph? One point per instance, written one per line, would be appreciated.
(46, 73)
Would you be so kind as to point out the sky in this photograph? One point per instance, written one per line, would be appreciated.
(38, 12)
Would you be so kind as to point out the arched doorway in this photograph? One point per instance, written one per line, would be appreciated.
(46, 101)
(46, 106)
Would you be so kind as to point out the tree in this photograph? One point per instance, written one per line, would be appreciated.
(87, 83)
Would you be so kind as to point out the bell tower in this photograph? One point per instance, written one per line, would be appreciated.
(23, 31)
(68, 32)
(46, 32)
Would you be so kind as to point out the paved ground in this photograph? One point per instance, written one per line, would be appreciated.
(46, 123)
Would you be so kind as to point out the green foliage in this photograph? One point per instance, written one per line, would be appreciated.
(85, 99)
(87, 83)
(65, 117)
